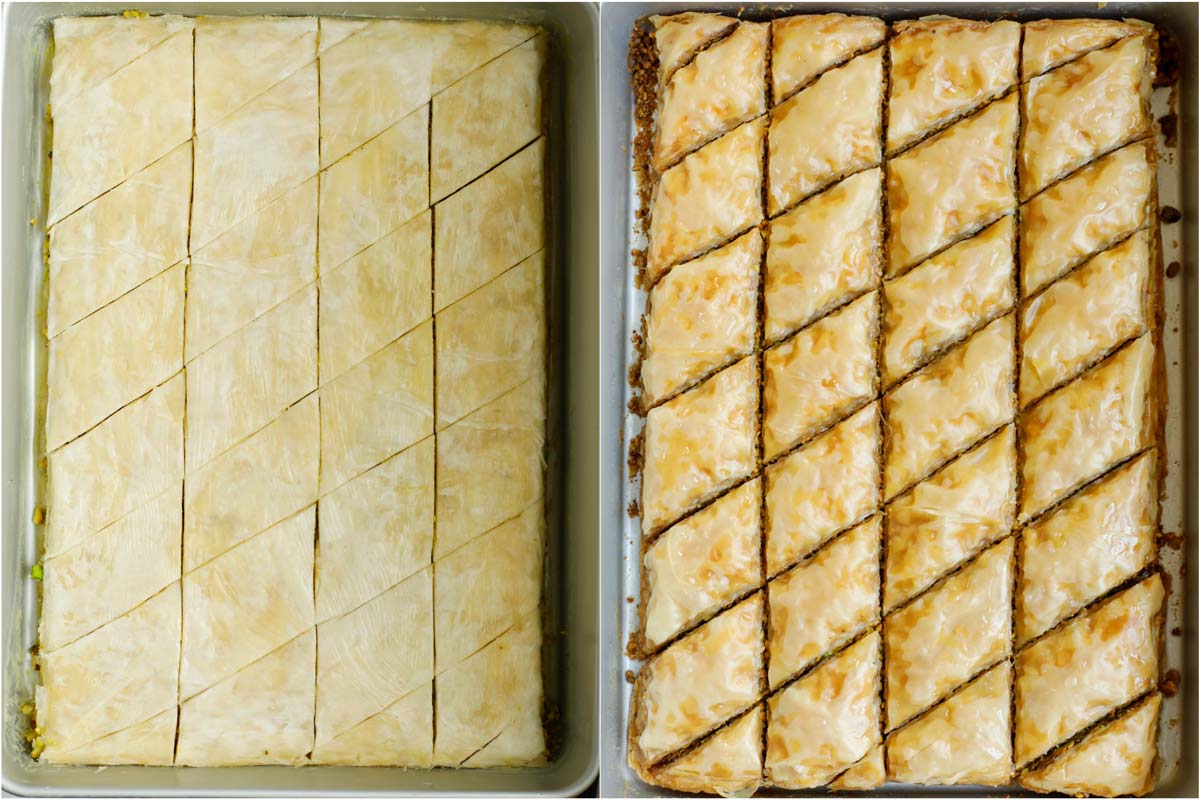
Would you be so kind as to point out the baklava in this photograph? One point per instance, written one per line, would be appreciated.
(296, 403)
(927, 463)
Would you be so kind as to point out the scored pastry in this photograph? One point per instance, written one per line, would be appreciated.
(721, 88)
(700, 316)
(1091, 665)
(947, 518)
(1050, 42)
(948, 634)
(941, 300)
(1085, 314)
(803, 157)
(1082, 109)
(973, 379)
(964, 739)
(818, 375)
(697, 683)
(679, 36)
(701, 563)
(823, 251)
(806, 45)
(1116, 759)
(944, 68)
(727, 763)
(1088, 545)
(824, 602)
(698, 443)
(827, 721)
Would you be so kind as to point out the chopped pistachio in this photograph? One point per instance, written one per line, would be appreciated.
(37, 572)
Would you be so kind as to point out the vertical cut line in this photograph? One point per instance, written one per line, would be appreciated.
(320, 424)
(764, 683)
(880, 448)
(433, 334)
(1019, 455)
(187, 271)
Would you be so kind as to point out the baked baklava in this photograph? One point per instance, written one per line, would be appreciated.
(899, 516)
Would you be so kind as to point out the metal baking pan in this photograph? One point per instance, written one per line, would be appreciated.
(620, 315)
(571, 679)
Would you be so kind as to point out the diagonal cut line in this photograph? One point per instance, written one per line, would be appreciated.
(840, 61)
(970, 232)
(1074, 740)
(153, 595)
(948, 695)
(1076, 56)
(105, 78)
(1138, 138)
(185, 700)
(1080, 262)
(827, 184)
(933, 356)
(961, 115)
(481, 747)
(370, 716)
(733, 25)
(162, 270)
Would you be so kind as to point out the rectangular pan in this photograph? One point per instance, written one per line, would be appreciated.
(622, 306)
(571, 678)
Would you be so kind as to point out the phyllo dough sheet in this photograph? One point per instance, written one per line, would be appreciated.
(902, 460)
(297, 393)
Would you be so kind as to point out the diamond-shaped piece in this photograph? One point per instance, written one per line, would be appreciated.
(112, 130)
(111, 572)
(804, 46)
(239, 58)
(131, 457)
(963, 740)
(270, 704)
(247, 379)
(701, 563)
(377, 408)
(1078, 111)
(114, 356)
(947, 635)
(1079, 431)
(393, 628)
(824, 602)
(135, 658)
(1093, 664)
(489, 466)
(698, 682)
(973, 381)
(939, 301)
(147, 744)
(376, 530)
(1050, 42)
(251, 268)
(1095, 540)
(818, 135)
(827, 721)
(818, 375)
(707, 197)
(679, 36)
(721, 88)
(231, 621)
(943, 68)
(493, 699)
(1084, 315)
(487, 586)
(489, 225)
(1114, 760)
(698, 443)
(492, 340)
(374, 190)
(400, 735)
(376, 296)
(701, 316)
(826, 249)
(119, 240)
(1084, 214)
(952, 184)
(827, 485)
(486, 117)
(255, 155)
(729, 762)
(89, 49)
(942, 521)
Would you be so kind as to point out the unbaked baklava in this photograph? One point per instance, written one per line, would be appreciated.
(902, 457)
(296, 400)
